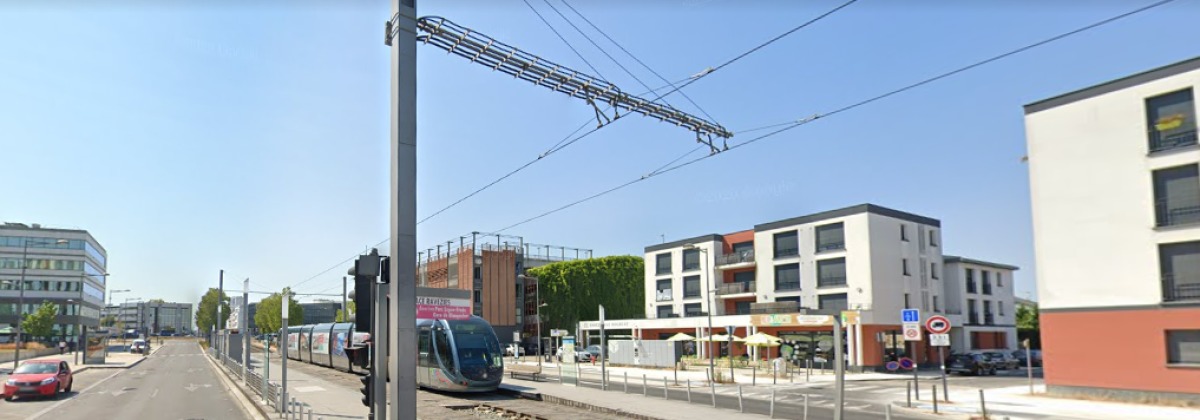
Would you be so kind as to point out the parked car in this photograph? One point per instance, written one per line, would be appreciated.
(1023, 360)
(1002, 360)
(139, 346)
(595, 351)
(514, 350)
(970, 364)
(39, 378)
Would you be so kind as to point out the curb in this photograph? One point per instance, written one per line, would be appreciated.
(926, 409)
(247, 398)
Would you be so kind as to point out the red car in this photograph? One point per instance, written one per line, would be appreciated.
(40, 378)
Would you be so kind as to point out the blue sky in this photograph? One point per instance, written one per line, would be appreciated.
(194, 138)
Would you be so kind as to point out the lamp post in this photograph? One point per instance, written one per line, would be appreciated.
(113, 292)
(21, 287)
(137, 323)
(712, 364)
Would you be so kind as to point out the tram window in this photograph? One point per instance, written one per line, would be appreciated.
(441, 343)
(425, 358)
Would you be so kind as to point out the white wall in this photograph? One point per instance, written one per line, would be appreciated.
(1093, 202)
(888, 282)
(706, 273)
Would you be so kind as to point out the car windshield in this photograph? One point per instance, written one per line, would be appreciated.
(36, 368)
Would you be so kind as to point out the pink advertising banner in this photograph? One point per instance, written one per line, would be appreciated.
(443, 308)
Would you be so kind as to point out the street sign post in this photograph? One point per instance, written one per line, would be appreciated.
(910, 315)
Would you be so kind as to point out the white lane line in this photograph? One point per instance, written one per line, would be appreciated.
(56, 405)
(155, 394)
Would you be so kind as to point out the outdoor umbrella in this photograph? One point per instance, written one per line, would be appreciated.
(681, 337)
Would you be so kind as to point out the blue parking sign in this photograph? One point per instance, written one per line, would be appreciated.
(910, 315)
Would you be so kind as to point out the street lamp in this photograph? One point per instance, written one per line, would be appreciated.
(113, 292)
(712, 364)
(21, 287)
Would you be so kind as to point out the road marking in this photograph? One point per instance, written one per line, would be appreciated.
(118, 392)
(155, 394)
(191, 387)
(57, 404)
(308, 389)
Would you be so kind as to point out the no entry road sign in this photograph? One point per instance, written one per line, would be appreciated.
(937, 324)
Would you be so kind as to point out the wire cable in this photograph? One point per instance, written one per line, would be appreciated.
(797, 123)
(564, 40)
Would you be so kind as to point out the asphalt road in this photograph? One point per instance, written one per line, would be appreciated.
(176, 382)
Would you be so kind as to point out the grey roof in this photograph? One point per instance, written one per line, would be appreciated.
(949, 259)
(861, 208)
(1114, 85)
(712, 237)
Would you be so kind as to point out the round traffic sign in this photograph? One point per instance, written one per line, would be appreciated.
(937, 324)
(907, 363)
(912, 333)
(892, 366)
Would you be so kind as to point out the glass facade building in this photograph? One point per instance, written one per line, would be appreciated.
(62, 267)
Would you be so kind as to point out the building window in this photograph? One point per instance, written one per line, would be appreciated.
(662, 291)
(906, 305)
(985, 281)
(742, 308)
(933, 271)
(1000, 308)
(786, 244)
(1171, 119)
(972, 317)
(1183, 346)
(904, 232)
(692, 309)
(1179, 264)
(789, 299)
(691, 286)
(999, 279)
(831, 273)
(743, 277)
(691, 259)
(935, 305)
(831, 237)
(835, 303)
(933, 238)
(741, 247)
(1176, 196)
(971, 281)
(664, 311)
(662, 263)
(904, 266)
(987, 313)
(787, 277)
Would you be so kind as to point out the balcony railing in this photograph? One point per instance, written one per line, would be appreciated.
(789, 285)
(973, 318)
(1174, 290)
(774, 307)
(658, 271)
(668, 315)
(1177, 210)
(662, 295)
(988, 319)
(736, 288)
(953, 311)
(987, 288)
(786, 252)
(736, 258)
(831, 246)
(1160, 142)
(831, 281)
(971, 287)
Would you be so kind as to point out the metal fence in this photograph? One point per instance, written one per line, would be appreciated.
(253, 380)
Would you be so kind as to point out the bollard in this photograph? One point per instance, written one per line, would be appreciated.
(887, 412)
(626, 374)
(982, 404)
(676, 373)
(741, 407)
(908, 392)
(774, 377)
(935, 411)
(665, 396)
(772, 402)
(560, 375)
(805, 406)
(310, 413)
(644, 388)
(754, 377)
(689, 391)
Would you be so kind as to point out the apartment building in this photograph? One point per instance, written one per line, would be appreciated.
(65, 267)
(980, 304)
(1114, 172)
(155, 317)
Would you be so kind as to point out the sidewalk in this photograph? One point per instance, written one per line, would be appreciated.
(114, 360)
(655, 408)
(325, 398)
(1015, 402)
(698, 374)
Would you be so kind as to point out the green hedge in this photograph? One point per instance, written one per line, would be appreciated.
(573, 290)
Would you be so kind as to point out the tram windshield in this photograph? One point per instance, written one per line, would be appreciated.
(477, 345)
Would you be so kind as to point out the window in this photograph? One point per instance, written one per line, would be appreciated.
(691, 286)
(1171, 121)
(999, 279)
(904, 266)
(786, 244)
(985, 281)
(691, 259)
(1176, 196)
(933, 238)
(741, 247)
(935, 305)
(903, 232)
(788, 299)
(906, 305)
(692, 309)
(662, 291)
(971, 281)
(1000, 308)
(833, 302)
(662, 263)
(1179, 264)
(787, 277)
(831, 237)
(1183, 346)
(831, 273)
(933, 271)
(664, 311)
(743, 277)
(741, 308)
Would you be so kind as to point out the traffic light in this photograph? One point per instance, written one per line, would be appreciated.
(367, 391)
(366, 273)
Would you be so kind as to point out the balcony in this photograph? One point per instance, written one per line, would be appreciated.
(736, 288)
(988, 319)
(786, 252)
(987, 288)
(1161, 142)
(831, 281)
(787, 286)
(971, 287)
(972, 318)
(663, 295)
(1174, 291)
(740, 257)
(775, 308)
(1176, 210)
(668, 315)
(831, 246)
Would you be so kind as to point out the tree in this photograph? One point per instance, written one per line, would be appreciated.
(269, 315)
(206, 313)
(156, 301)
(341, 316)
(573, 290)
(40, 323)
(108, 321)
(1027, 317)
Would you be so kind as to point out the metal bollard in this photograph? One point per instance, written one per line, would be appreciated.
(626, 374)
(689, 391)
(805, 406)
(908, 392)
(774, 377)
(665, 396)
(310, 413)
(741, 407)
(645, 389)
(935, 407)
(772, 402)
(560, 375)
(982, 404)
(887, 412)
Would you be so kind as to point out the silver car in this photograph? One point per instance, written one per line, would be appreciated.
(1002, 360)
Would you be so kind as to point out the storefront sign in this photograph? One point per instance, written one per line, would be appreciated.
(791, 320)
(443, 308)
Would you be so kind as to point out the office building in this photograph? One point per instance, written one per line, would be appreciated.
(154, 317)
(321, 311)
(1114, 173)
(65, 267)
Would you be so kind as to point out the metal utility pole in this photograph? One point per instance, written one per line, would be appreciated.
(379, 355)
(603, 351)
(284, 342)
(217, 330)
(401, 36)
(839, 359)
(345, 309)
(244, 325)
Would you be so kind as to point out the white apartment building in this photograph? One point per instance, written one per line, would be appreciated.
(980, 304)
(65, 267)
(1114, 173)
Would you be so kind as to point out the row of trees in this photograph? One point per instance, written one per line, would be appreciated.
(267, 317)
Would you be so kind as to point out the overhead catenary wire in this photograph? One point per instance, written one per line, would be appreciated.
(783, 127)
(564, 39)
